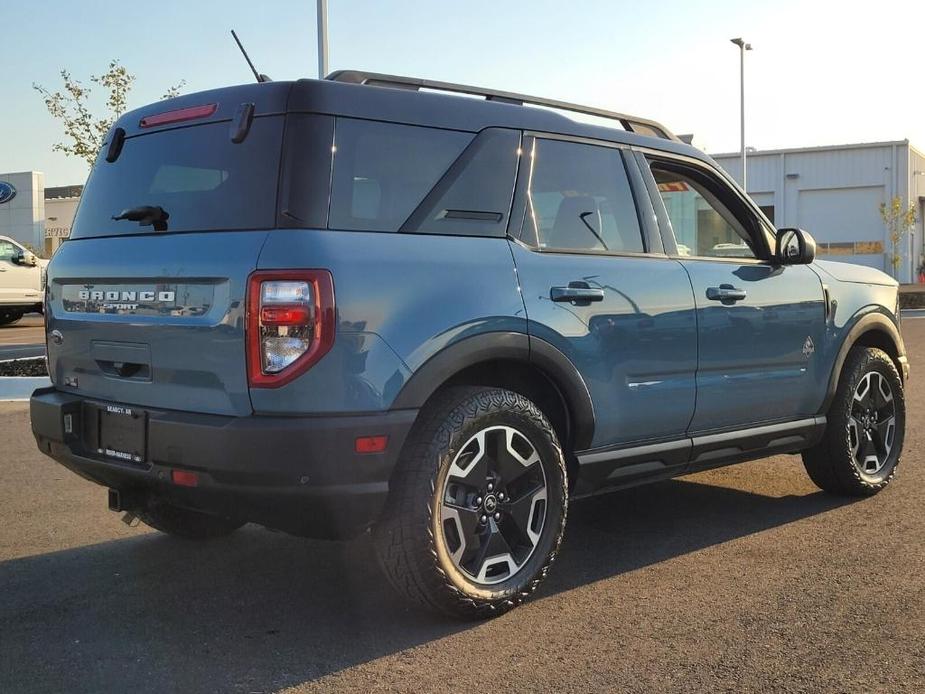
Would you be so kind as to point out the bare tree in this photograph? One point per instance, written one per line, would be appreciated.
(85, 130)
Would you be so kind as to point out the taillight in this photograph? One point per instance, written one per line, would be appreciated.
(290, 324)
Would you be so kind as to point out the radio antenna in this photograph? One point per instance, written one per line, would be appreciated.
(258, 75)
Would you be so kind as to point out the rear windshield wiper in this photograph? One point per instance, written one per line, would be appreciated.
(145, 216)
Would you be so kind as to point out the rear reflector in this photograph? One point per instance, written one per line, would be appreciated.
(179, 115)
(371, 444)
(184, 478)
(295, 314)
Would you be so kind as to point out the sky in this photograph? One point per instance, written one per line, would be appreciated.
(821, 72)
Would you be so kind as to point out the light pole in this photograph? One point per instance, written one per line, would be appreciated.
(742, 48)
(322, 39)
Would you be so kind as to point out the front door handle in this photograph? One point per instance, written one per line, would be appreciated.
(578, 292)
(725, 293)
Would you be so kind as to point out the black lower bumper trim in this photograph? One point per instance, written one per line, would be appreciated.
(297, 474)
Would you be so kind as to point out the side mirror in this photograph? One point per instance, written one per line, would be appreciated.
(26, 258)
(795, 247)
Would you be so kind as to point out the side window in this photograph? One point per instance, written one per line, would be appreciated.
(579, 198)
(474, 197)
(7, 250)
(382, 171)
(703, 226)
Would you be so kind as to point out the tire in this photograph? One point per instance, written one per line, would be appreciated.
(860, 451)
(446, 539)
(10, 317)
(186, 524)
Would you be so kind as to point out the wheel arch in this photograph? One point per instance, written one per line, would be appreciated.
(518, 362)
(870, 330)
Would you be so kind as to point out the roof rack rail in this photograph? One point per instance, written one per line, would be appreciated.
(641, 126)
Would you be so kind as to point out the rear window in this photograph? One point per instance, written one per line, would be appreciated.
(196, 174)
(382, 171)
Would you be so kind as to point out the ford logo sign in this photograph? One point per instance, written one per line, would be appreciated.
(7, 192)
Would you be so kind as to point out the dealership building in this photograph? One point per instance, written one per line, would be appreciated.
(34, 215)
(834, 192)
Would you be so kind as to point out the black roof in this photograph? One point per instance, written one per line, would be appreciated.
(397, 105)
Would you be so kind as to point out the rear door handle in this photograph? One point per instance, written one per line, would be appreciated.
(576, 291)
(725, 293)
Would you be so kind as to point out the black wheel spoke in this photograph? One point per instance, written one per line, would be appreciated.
(876, 396)
(508, 465)
(493, 545)
(518, 516)
(863, 447)
(879, 434)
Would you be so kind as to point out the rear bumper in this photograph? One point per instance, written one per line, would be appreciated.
(297, 474)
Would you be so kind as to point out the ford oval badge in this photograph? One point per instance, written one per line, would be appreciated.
(7, 192)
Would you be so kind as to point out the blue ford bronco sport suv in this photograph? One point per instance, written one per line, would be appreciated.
(366, 303)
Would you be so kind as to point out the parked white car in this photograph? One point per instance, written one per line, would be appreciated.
(22, 281)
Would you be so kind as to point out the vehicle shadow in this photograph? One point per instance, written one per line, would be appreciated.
(259, 611)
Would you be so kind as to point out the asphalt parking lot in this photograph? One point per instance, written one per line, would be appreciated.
(742, 579)
(24, 338)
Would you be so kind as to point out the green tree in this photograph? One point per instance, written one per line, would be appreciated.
(899, 222)
(85, 130)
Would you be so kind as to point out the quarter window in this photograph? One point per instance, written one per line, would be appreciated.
(474, 197)
(382, 171)
(579, 198)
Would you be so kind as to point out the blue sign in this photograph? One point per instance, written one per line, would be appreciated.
(7, 192)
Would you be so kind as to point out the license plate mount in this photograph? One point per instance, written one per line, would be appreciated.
(123, 433)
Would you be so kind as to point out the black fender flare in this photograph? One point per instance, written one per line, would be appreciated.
(512, 346)
(866, 323)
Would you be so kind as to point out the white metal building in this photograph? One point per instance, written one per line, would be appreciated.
(35, 215)
(834, 192)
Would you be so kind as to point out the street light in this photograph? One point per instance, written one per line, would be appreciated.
(322, 39)
(742, 48)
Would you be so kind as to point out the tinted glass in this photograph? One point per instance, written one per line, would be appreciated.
(702, 225)
(580, 199)
(306, 179)
(202, 179)
(7, 250)
(474, 197)
(382, 171)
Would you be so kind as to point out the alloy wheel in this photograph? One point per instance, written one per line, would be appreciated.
(493, 505)
(872, 423)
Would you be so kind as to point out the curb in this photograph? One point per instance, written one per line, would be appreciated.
(19, 388)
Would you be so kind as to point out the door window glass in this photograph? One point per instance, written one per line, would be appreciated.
(579, 198)
(703, 226)
(7, 250)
